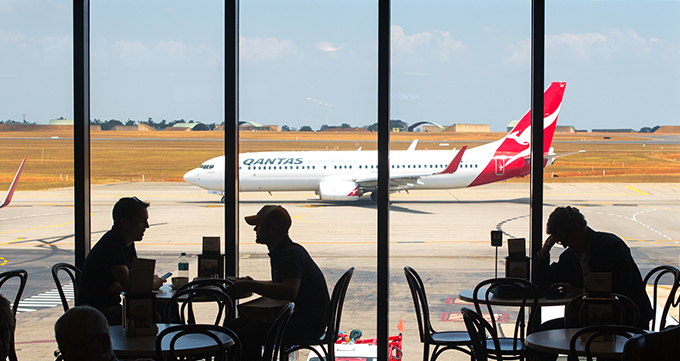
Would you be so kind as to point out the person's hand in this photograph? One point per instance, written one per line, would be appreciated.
(243, 286)
(115, 289)
(157, 282)
(547, 246)
(567, 288)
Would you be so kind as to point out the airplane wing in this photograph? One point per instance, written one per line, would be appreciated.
(406, 181)
(13, 186)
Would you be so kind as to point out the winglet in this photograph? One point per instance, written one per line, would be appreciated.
(412, 146)
(455, 162)
(13, 186)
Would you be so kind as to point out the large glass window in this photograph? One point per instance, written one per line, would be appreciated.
(460, 76)
(36, 115)
(308, 87)
(157, 112)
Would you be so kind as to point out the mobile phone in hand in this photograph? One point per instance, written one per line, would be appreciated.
(166, 276)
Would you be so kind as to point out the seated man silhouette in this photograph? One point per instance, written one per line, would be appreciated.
(295, 277)
(106, 272)
(82, 333)
(588, 251)
(655, 346)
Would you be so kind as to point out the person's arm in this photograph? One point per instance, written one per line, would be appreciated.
(287, 290)
(157, 282)
(122, 275)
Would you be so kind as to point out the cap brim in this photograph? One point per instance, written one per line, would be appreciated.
(253, 220)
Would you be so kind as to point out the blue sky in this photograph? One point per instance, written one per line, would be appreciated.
(314, 62)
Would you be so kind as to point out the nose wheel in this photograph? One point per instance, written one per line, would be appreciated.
(222, 199)
(374, 196)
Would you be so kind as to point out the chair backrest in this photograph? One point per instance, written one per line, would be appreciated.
(224, 304)
(526, 294)
(22, 277)
(415, 284)
(595, 332)
(337, 301)
(211, 331)
(73, 273)
(478, 329)
(655, 346)
(273, 348)
(623, 310)
(656, 275)
(226, 285)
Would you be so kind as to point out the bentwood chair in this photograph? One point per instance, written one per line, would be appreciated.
(441, 340)
(187, 297)
(73, 273)
(619, 310)
(593, 332)
(657, 274)
(226, 285)
(219, 352)
(526, 295)
(21, 276)
(273, 347)
(481, 333)
(654, 346)
(331, 334)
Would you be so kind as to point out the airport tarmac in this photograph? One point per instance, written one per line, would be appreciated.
(444, 235)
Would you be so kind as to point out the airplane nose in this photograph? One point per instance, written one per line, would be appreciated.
(191, 176)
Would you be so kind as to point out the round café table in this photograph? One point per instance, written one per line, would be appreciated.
(467, 295)
(557, 342)
(144, 346)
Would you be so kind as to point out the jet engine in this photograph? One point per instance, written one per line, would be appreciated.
(338, 190)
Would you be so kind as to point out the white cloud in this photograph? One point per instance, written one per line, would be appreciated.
(419, 47)
(327, 46)
(11, 37)
(132, 53)
(593, 47)
(174, 50)
(262, 50)
(57, 49)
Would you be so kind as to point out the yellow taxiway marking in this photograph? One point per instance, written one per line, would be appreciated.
(3, 261)
(6, 243)
(33, 229)
(637, 190)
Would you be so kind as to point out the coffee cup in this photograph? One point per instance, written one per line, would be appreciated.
(178, 282)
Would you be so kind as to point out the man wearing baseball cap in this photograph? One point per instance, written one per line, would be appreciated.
(295, 277)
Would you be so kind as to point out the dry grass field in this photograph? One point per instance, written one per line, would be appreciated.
(166, 156)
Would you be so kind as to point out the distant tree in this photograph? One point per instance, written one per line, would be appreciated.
(306, 128)
(345, 126)
(285, 128)
(394, 123)
(130, 123)
(109, 124)
(323, 127)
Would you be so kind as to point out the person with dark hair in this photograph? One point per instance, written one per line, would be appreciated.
(295, 277)
(7, 324)
(589, 251)
(106, 272)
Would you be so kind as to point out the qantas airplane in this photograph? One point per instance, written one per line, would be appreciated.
(13, 186)
(347, 175)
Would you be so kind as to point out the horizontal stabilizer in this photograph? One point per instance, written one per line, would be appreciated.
(547, 156)
(13, 186)
(455, 162)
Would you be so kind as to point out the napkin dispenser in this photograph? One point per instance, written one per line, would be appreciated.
(517, 263)
(211, 262)
(139, 303)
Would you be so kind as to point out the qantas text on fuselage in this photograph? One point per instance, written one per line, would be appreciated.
(347, 175)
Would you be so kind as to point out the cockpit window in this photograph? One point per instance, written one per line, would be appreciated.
(207, 166)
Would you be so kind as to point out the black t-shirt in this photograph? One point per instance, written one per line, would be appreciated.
(291, 260)
(96, 277)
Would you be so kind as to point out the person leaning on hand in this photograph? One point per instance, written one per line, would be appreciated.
(106, 272)
(589, 251)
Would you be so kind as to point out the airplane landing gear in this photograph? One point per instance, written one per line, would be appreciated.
(222, 199)
(374, 196)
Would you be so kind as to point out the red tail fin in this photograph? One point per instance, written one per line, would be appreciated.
(13, 186)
